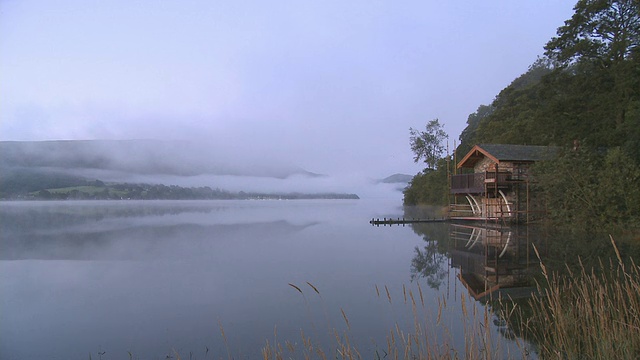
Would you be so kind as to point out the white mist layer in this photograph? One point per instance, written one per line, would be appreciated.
(357, 184)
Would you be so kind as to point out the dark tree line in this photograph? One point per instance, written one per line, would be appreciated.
(130, 192)
(38, 184)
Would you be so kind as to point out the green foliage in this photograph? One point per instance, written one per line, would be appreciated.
(600, 30)
(427, 145)
(468, 134)
(551, 105)
(429, 187)
(20, 181)
(517, 111)
(587, 88)
(594, 189)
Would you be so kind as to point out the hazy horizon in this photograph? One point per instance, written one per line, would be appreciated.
(331, 87)
(178, 163)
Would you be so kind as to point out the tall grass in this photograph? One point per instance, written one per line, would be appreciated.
(591, 314)
(427, 338)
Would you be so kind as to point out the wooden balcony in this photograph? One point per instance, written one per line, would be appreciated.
(501, 178)
(467, 183)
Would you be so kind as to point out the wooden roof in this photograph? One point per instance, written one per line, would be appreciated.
(507, 152)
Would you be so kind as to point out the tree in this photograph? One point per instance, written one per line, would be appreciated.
(428, 187)
(604, 30)
(587, 89)
(427, 145)
(600, 46)
(517, 114)
(589, 187)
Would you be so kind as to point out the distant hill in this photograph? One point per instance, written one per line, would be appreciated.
(59, 170)
(29, 184)
(146, 157)
(397, 179)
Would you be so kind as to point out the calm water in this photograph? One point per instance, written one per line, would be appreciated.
(147, 278)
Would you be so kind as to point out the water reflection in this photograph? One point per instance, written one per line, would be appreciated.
(135, 242)
(134, 231)
(150, 277)
(78, 278)
(493, 261)
(431, 261)
(501, 266)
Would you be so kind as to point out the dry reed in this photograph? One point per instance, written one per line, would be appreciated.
(427, 339)
(585, 314)
(591, 314)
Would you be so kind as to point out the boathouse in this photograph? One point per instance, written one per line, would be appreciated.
(494, 183)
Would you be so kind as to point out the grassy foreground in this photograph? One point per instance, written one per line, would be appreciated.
(588, 314)
(592, 314)
(428, 339)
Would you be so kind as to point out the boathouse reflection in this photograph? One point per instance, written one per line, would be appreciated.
(493, 261)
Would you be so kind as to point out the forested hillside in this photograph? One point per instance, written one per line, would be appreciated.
(584, 91)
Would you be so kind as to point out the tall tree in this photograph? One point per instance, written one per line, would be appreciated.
(600, 45)
(607, 31)
(515, 114)
(428, 145)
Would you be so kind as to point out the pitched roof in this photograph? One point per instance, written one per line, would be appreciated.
(507, 152)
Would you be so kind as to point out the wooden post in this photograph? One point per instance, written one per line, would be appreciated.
(455, 168)
(449, 180)
(527, 215)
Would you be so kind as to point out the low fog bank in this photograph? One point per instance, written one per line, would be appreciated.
(187, 164)
(359, 184)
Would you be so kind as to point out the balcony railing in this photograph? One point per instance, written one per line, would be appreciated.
(467, 183)
(499, 177)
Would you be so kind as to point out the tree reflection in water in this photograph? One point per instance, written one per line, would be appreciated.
(430, 265)
(500, 267)
(431, 261)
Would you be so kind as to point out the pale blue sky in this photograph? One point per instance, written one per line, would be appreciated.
(331, 86)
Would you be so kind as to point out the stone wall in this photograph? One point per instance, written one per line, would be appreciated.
(487, 164)
(483, 165)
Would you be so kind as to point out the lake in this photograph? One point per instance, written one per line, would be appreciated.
(218, 279)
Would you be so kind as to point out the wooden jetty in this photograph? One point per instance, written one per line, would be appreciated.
(403, 221)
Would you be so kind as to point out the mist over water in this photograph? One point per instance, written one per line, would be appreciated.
(363, 186)
(151, 277)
